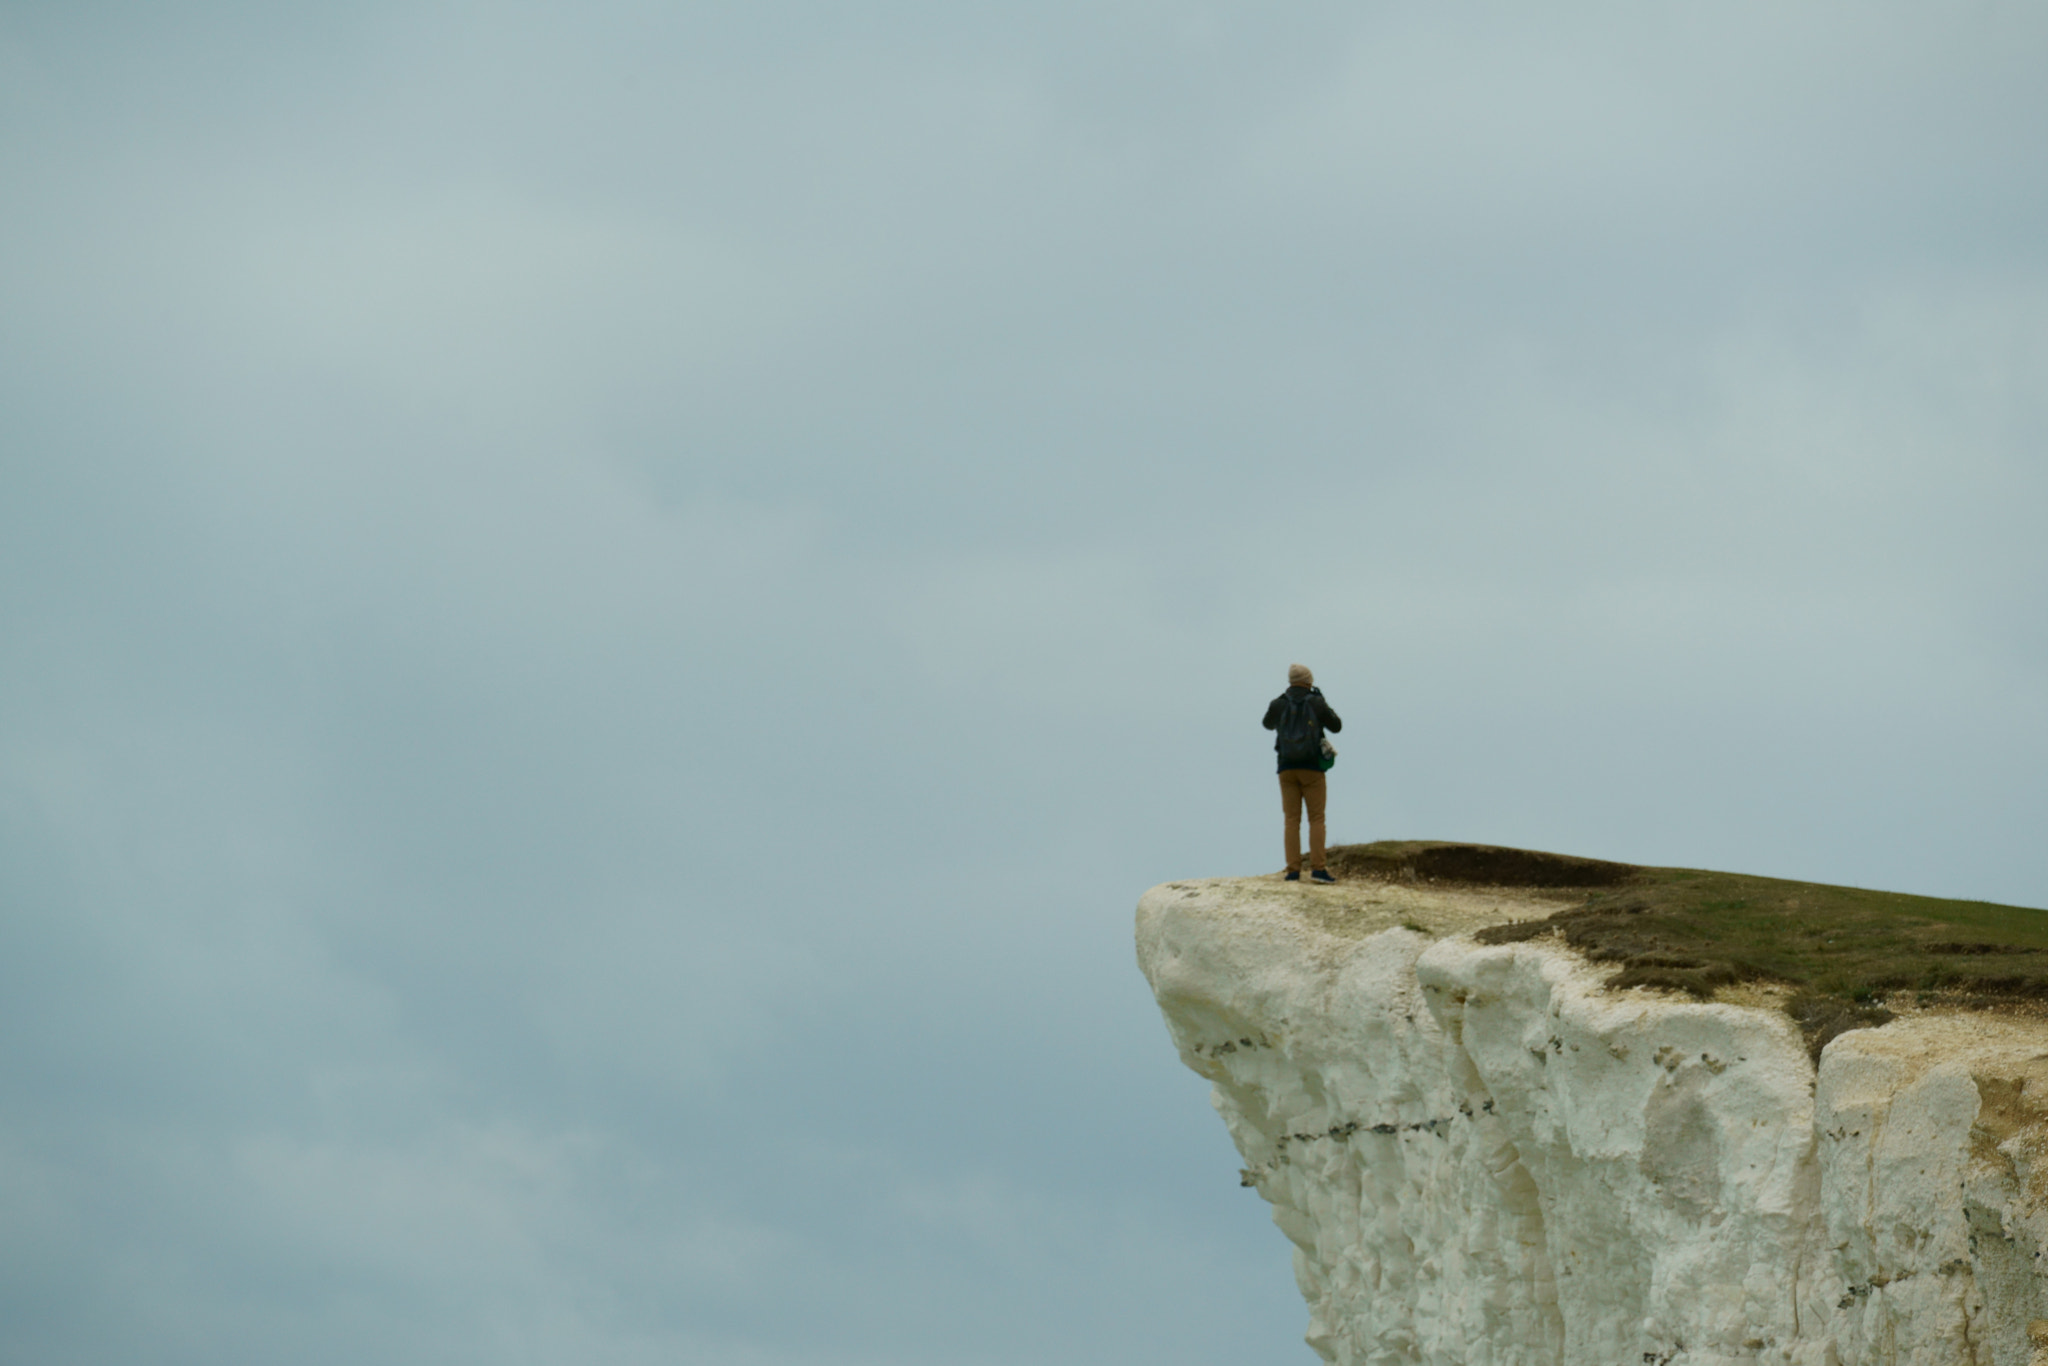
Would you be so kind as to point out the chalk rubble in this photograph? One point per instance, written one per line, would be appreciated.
(1484, 1157)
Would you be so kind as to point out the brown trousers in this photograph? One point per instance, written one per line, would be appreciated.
(1299, 787)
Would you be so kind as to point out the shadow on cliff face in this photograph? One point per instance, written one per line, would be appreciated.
(1837, 952)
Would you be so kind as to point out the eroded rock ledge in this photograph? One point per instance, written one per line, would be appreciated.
(1484, 1155)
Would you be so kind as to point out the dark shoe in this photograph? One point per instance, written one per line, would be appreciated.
(1294, 876)
(1321, 875)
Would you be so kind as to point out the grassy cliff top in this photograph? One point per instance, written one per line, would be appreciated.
(1840, 952)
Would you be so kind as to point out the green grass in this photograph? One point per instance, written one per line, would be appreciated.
(1842, 953)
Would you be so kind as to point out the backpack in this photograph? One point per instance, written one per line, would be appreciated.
(1300, 734)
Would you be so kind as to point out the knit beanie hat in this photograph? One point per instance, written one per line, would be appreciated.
(1298, 676)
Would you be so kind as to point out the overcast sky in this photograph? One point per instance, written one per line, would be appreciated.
(607, 608)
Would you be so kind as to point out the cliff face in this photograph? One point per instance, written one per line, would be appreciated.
(1484, 1156)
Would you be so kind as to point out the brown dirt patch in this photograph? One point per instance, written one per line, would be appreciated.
(1474, 865)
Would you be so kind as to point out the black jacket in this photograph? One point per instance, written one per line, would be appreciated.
(1328, 719)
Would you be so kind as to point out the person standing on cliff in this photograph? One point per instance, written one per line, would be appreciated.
(1300, 716)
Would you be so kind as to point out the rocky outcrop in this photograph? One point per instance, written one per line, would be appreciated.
(1484, 1156)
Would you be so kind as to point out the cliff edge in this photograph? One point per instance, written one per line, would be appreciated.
(1505, 1152)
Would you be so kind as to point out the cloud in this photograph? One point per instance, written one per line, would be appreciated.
(608, 609)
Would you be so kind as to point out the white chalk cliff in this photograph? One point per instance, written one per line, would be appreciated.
(1485, 1156)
